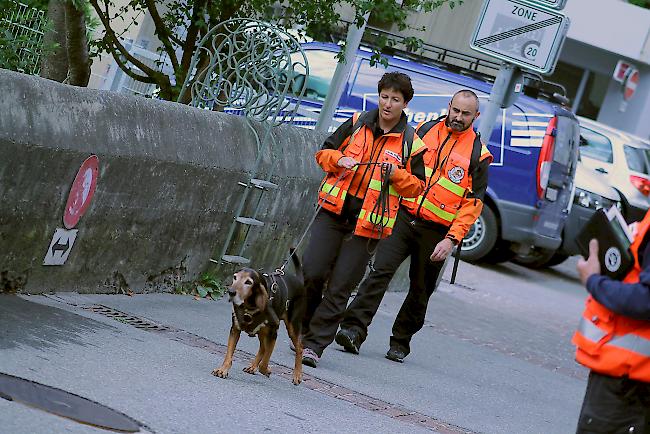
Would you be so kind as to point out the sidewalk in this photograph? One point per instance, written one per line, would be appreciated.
(470, 370)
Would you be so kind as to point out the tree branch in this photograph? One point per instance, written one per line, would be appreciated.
(162, 32)
(118, 47)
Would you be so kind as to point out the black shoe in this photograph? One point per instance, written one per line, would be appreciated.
(349, 340)
(396, 355)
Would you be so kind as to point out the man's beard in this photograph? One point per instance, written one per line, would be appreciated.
(457, 125)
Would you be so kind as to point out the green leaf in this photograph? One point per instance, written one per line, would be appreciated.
(202, 290)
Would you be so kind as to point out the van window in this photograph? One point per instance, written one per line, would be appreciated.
(595, 145)
(565, 140)
(637, 159)
(322, 65)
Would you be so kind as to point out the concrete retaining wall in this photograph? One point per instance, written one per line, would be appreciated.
(166, 193)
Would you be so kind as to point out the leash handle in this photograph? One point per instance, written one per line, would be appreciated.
(456, 261)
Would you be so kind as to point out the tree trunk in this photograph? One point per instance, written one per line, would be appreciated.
(78, 57)
(54, 64)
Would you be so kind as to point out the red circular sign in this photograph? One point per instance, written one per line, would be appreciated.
(630, 84)
(83, 188)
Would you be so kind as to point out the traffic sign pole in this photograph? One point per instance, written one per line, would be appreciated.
(502, 96)
(341, 74)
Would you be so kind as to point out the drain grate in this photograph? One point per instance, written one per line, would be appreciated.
(379, 406)
(140, 323)
(65, 404)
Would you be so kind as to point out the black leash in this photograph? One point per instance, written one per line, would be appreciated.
(385, 184)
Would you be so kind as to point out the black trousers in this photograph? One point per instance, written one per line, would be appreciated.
(338, 258)
(615, 405)
(414, 238)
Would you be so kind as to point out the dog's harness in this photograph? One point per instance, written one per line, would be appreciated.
(251, 319)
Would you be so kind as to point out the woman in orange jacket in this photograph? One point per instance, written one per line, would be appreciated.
(371, 161)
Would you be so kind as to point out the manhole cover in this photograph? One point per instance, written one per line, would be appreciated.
(64, 404)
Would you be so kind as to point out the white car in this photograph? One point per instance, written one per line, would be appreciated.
(624, 161)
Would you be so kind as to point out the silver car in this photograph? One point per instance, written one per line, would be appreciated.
(624, 161)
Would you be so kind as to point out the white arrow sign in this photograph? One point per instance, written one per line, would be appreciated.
(60, 247)
(521, 33)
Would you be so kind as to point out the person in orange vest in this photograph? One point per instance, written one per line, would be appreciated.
(613, 341)
(428, 227)
(371, 160)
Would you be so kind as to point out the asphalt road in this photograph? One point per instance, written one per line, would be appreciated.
(494, 357)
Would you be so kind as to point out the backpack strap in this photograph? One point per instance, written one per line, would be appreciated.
(425, 127)
(407, 144)
(476, 153)
(357, 122)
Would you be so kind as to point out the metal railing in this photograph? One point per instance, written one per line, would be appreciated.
(26, 25)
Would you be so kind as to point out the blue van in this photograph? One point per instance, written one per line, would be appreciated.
(534, 143)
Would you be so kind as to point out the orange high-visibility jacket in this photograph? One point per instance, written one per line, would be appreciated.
(376, 220)
(612, 344)
(447, 198)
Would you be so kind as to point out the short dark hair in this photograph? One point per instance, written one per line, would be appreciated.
(397, 81)
(467, 93)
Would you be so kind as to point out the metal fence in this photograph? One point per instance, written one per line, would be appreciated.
(25, 25)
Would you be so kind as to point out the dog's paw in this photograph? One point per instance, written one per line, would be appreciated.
(265, 371)
(297, 379)
(250, 370)
(220, 372)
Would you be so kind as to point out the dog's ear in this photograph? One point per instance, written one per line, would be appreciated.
(261, 296)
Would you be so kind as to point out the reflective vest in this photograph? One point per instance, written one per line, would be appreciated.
(445, 188)
(612, 344)
(376, 219)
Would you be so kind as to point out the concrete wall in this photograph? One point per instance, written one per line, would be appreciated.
(166, 193)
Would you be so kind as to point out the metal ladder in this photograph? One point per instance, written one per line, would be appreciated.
(232, 251)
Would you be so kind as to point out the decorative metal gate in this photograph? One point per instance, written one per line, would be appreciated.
(260, 71)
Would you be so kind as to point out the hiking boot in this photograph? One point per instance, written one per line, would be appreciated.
(349, 340)
(310, 358)
(396, 355)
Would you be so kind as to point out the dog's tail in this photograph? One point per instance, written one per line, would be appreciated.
(296, 262)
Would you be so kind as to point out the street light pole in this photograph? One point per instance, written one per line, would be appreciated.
(341, 74)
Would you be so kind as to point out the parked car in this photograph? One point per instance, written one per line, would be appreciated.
(534, 143)
(592, 192)
(624, 161)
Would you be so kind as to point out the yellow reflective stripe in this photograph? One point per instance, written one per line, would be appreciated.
(454, 188)
(447, 216)
(417, 145)
(484, 150)
(411, 199)
(376, 185)
(428, 172)
(328, 188)
(376, 219)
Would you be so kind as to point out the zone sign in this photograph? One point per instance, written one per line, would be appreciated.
(522, 33)
(554, 4)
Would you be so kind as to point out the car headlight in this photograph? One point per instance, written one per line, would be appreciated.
(591, 200)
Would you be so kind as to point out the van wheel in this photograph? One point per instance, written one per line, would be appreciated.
(481, 238)
(557, 259)
(536, 258)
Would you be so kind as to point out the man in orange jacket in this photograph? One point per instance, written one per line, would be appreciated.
(428, 227)
(613, 340)
(370, 160)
